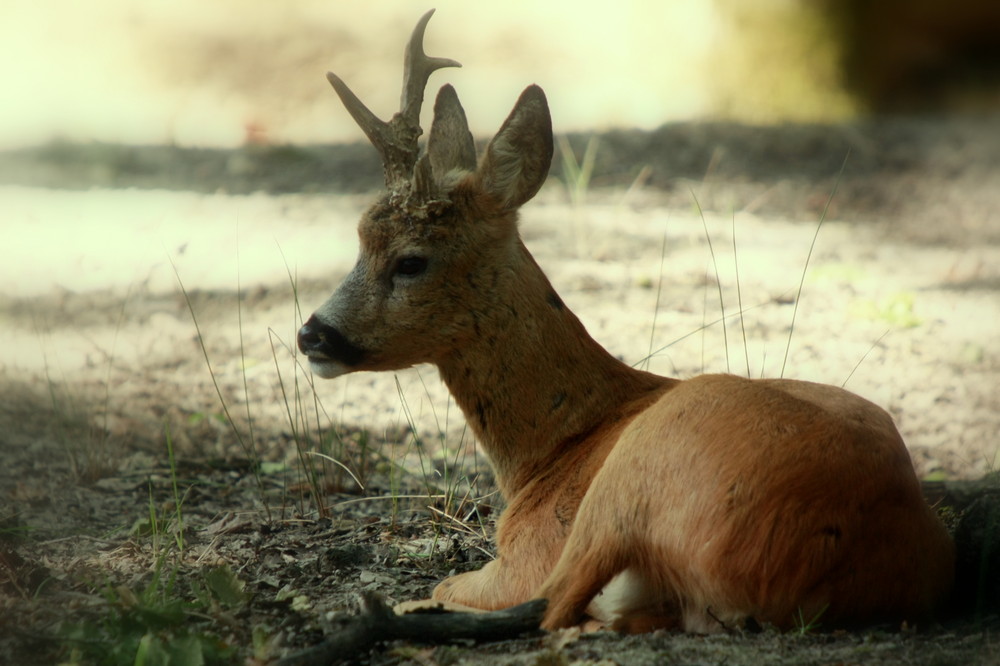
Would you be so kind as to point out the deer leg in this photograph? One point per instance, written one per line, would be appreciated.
(530, 538)
(604, 570)
(496, 585)
(596, 551)
(577, 579)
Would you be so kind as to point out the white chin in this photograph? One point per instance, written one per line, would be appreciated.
(328, 369)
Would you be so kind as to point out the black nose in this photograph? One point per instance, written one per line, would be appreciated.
(310, 337)
(320, 341)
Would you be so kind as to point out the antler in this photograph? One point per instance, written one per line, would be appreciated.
(396, 140)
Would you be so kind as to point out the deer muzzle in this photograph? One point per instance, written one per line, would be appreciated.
(330, 354)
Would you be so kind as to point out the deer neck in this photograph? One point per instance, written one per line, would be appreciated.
(534, 382)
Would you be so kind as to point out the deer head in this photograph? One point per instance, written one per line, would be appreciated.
(439, 252)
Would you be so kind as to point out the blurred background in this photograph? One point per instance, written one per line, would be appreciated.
(227, 72)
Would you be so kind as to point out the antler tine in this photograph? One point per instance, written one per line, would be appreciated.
(417, 69)
(396, 140)
(374, 128)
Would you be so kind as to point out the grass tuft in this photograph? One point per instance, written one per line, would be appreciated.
(718, 281)
(805, 266)
(248, 445)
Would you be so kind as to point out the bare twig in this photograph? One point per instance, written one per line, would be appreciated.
(377, 623)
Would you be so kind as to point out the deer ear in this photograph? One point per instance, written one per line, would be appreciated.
(450, 144)
(517, 160)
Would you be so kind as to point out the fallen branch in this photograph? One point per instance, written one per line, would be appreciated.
(377, 623)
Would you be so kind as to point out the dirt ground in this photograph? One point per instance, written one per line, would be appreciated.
(162, 488)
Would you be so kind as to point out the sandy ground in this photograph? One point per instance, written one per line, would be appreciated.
(92, 292)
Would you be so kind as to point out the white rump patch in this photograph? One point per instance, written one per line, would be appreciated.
(627, 592)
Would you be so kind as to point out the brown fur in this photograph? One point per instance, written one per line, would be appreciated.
(639, 500)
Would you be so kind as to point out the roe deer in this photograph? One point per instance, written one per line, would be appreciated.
(633, 500)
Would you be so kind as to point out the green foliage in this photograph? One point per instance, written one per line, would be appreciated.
(160, 625)
(897, 310)
(224, 587)
(198, 417)
(576, 174)
(156, 625)
(804, 626)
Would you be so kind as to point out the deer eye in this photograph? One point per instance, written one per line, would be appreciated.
(410, 266)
